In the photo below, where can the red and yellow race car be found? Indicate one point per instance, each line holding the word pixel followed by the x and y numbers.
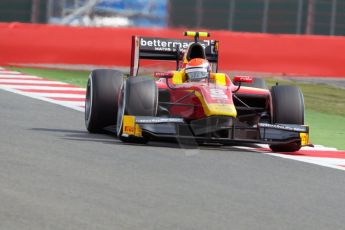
pixel 194 101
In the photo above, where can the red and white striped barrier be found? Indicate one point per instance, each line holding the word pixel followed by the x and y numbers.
pixel 74 97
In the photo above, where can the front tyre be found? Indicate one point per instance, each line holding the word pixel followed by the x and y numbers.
pixel 138 97
pixel 288 108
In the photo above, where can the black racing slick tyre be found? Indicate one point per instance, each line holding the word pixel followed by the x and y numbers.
pixel 138 97
pixel 102 94
pixel 288 108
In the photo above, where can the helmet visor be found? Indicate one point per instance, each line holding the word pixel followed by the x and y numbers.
pixel 197 74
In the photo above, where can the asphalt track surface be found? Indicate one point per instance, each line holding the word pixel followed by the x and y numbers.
pixel 54 175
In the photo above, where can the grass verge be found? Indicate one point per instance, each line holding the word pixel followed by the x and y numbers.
pixel 326 129
pixel 325 105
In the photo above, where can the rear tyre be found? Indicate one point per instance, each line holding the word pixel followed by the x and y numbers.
pixel 102 93
pixel 138 97
pixel 288 108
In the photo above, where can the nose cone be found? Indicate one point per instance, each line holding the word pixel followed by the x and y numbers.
pixel 216 101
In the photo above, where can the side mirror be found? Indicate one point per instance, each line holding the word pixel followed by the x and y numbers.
pixel 165 75
pixel 246 79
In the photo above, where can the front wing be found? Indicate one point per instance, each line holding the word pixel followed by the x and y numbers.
pixel 167 128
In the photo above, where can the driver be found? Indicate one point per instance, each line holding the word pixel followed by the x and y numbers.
pixel 197 69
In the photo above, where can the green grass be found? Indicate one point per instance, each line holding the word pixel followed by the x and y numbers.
pixel 325 105
pixel 326 129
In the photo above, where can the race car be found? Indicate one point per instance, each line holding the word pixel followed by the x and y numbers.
pixel 194 101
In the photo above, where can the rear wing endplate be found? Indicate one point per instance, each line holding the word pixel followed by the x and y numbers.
pixel 167 49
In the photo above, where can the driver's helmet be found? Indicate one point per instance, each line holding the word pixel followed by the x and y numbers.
pixel 197 69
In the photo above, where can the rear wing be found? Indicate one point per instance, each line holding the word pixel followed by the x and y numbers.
pixel 168 49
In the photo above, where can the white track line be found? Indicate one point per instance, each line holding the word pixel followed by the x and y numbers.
pixel 9 76
pixel 12 80
pixel 72 105
pixel 323 161
pixel 69 103
pixel 19 87
pixel 61 95
pixel 319 147
pixel 24 81
pixel 331 162
pixel 316 147
pixel 9 72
